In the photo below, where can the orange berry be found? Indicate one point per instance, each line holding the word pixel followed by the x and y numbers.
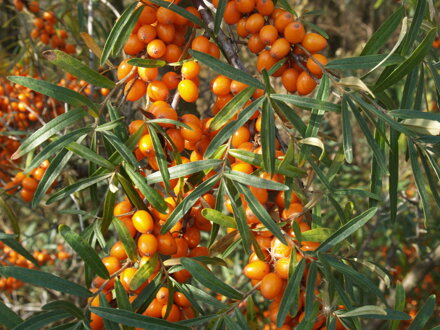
pixel 313 67
pixel 148 16
pixel 27 195
pixel 172 53
pixel 146 145
pixel 255 44
pixel 156 48
pixel 147 244
pixel 148 74
pixel 200 44
pixel 293 209
pixel 305 84
pixel 265 61
pixel 166 32
pixel 171 79
pixel 231 15
pixel 133 45
pixel 265 7
pixel 181 300
pixel 157 90
pixel 162 295
pixel 289 79
pixel 282 267
pixel 271 286
pixel 146 33
pixel 280 48
pixel 174 314
pixel 165 16
pixel 134 89
pixel 294 32
pixel 118 251
pixel 190 69
pixel 221 85
pixel 240 136
pixel 245 6
pixel 241 27
pixel 143 221
pixel 254 23
pixel 314 42
pixel 256 270
pixel 166 244
pixel 124 69
pixel 29 184
pixel 283 20
pixel 188 90
pixel 112 264
pixel 268 34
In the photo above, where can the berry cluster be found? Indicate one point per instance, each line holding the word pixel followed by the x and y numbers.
pixel 44 27
pixel 274 34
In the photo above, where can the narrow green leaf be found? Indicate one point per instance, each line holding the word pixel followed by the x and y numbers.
pixel 66 306
pixel 55 146
pixel 384 32
pixel 182 170
pixel 268 137
pixel 120 32
pixel 228 130
pixel 219 15
pixel 160 155
pixel 257 160
pixel 76 187
pixel 364 62
pixel 255 181
pixel 310 289
pixel 125 152
pixel 219 218
pixel 107 211
pixel 231 108
pixel 131 193
pixel 146 63
pixel 110 125
pixel 90 155
pixel 59 93
pixel 414 30
pixel 108 325
pixel 184 206
pixel 405 67
pixel 260 212
pixel 143 273
pixel 77 68
pixel 378 153
pixel 347 141
pixel 307 103
pixel 8 317
pixel 54 126
pixel 41 320
pixel 418 176
pixel 226 69
pixel 284 111
pixel 424 314
pixel 135 320
pixel 347 229
pixel 290 293
pixel 44 280
pixel 84 250
pixel 153 197
pixel 400 302
pixel 319 234
pixel 126 239
pixel 239 215
pixel 122 297
pixel 208 279
pixel 52 173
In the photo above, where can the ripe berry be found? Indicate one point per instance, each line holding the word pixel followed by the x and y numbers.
pixel 188 90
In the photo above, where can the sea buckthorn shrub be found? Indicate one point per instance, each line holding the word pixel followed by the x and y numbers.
pixel 253 208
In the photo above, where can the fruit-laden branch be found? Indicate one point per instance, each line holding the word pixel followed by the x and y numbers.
pixel 224 41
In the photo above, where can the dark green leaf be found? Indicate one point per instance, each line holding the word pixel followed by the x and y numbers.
pixel 160 155
pixel 59 93
pixel 231 108
pixel 66 306
pixel 208 279
pixel 84 250
pixel 10 240
pixel 347 229
pixel 424 314
pixel 228 130
pixel 41 135
pixel 346 131
pixel 8 317
pixel 255 181
pixel 150 194
pixel 90 155
pixel 77 186
pixel 414 30
pixel 268 137
pixel 126 239
pixel 10 214
pixel 364 62
pixel 143 273
pixel 44 280
pixel 307 103
pixel 184 206
pixel 77 68
pixel 290 293
pixel 226 69
pixel 41 320
pixel 400 303
pixel 120 32
pixel 134 319
pixel 384 32
pixel 125 152
pixel 405 67
pixel 219 15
